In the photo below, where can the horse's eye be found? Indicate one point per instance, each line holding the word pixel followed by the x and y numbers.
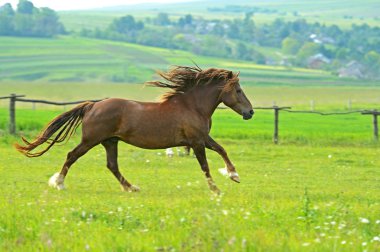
pixel 238 91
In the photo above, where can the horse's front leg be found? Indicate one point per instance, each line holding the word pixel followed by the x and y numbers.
pixel 200 153
pixel 212 145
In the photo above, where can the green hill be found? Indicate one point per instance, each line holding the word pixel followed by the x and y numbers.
pixel 72 59
pixel 339 12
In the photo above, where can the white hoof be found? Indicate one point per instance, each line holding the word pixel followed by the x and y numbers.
pixel 133 188
pixel 56 181
pixel 234 176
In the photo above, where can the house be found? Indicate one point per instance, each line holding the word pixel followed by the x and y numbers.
pixel 317 61
pixel 352 70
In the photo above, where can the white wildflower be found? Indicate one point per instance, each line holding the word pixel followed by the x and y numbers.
pixel 364 220
pixel 169 152
pixel 232 240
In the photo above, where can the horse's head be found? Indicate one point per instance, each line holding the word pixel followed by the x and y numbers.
pixel 233 96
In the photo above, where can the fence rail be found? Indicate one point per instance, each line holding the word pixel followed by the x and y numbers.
pixel 13 98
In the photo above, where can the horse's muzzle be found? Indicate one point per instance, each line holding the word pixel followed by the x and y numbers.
pixel 248 115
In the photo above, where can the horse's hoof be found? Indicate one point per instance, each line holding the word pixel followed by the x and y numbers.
pixel 216 191
pixel 56 181
pixel 234 177
pixel 133 188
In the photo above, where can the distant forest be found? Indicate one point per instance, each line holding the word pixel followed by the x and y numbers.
pixel 29 21
pixel 294 43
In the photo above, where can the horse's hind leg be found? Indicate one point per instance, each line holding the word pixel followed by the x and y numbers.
pixel 111 148
pixel 200 153
pixel 57 179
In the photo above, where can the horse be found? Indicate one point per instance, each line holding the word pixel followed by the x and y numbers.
pixel 181 118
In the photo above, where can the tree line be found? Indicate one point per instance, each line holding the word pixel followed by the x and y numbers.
pixel 297 42
pixel 29 21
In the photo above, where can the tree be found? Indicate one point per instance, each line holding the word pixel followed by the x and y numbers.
pixel 29 21
pixel 242 51
pixel 290 45
pixel 162 19
pixel 126 25
pixel 25 7
pixel 6 20
pixel 7 10
pixel 184 21
pixel 307 50
pixel 47 23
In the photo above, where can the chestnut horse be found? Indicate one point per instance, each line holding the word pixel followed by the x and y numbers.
pixel 182 118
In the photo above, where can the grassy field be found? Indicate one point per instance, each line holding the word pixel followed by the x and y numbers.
pixel 71 59
pixel 316 191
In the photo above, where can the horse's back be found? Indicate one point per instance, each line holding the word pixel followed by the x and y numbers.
pixel 143 124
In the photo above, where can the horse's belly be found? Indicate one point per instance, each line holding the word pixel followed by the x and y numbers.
pixel 153 139
pixel 152 143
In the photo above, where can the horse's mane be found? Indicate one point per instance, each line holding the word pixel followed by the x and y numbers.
pixel 182 78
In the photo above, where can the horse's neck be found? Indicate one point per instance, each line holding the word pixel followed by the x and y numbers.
pixel 204 99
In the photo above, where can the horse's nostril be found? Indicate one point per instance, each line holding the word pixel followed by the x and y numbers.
pixel 251 112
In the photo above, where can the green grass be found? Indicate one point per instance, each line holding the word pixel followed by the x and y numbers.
pixel 317 190
pixel 316 195
pixel 72 59
pixel 314 191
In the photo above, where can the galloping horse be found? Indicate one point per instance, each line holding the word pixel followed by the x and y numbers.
pixel 182 118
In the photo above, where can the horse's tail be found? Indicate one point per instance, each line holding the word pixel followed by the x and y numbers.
pixel 65 123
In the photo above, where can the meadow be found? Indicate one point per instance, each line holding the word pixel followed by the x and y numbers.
pixel 73 59
pixel 318 190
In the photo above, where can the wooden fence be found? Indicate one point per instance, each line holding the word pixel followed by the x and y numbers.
pixel 13 98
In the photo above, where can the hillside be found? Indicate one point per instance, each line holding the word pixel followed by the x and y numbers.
pixel 79 59
pixel 340 12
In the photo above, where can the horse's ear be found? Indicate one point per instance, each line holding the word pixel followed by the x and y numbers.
pixel 230 75
pixel 237 75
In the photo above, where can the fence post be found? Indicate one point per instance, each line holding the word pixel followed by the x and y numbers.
pixel 374 113
pixel 12 114
pixel 312 105
pixel 349 104
pixel 375 126
pixel 275 136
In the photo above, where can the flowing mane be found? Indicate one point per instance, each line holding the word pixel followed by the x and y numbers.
pixel 181 79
